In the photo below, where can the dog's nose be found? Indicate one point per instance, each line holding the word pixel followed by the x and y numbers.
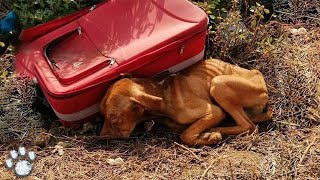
pixel 108 133
pixel 104 133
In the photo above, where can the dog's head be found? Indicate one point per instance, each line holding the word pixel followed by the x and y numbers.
pixel 123 107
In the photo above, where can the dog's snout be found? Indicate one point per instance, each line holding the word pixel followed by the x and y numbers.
pixel 104 132
pixel 109 131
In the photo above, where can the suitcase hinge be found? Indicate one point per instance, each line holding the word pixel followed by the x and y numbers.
pixel 182 49
pixel 80 31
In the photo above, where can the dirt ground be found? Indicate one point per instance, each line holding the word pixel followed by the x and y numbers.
pixel 288 147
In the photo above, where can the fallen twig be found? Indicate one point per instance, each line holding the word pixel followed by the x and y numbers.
pixel 287 123
pixel 307 150
pixel 188 149
pixel 210 166
pixel 304 154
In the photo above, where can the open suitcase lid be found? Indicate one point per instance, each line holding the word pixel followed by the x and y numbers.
pixel 136 27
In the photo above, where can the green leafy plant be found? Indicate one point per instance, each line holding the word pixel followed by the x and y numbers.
pixel 237 37
pixel 217 11
pixel 34 12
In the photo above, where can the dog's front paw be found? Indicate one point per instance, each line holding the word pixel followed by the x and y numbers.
pixel 212 137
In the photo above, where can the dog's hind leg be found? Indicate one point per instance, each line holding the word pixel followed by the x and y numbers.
pixel 196 133
pixel 233 94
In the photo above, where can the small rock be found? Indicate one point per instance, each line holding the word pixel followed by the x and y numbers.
pixel 297 32
pixel 111 162
pixel 59 148
pixel 87 127
pixel 119 161
pixel 60 152
pixel 115 162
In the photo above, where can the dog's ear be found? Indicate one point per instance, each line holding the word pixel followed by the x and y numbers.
pixel 148 101
pixel 103 105
pixel 103 102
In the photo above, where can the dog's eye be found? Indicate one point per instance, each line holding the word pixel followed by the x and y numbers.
pixel 113 119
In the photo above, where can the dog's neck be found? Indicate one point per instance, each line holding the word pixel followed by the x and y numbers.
pixel 151 86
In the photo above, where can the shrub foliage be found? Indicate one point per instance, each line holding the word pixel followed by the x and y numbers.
pixel 34 12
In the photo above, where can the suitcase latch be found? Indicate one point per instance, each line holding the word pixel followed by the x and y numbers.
pixel 182 49
pixel 92 8
pixel 112 61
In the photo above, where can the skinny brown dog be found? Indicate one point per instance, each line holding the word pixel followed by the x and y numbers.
pixel 194 102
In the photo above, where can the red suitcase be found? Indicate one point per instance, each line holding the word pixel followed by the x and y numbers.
pixel 75 63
